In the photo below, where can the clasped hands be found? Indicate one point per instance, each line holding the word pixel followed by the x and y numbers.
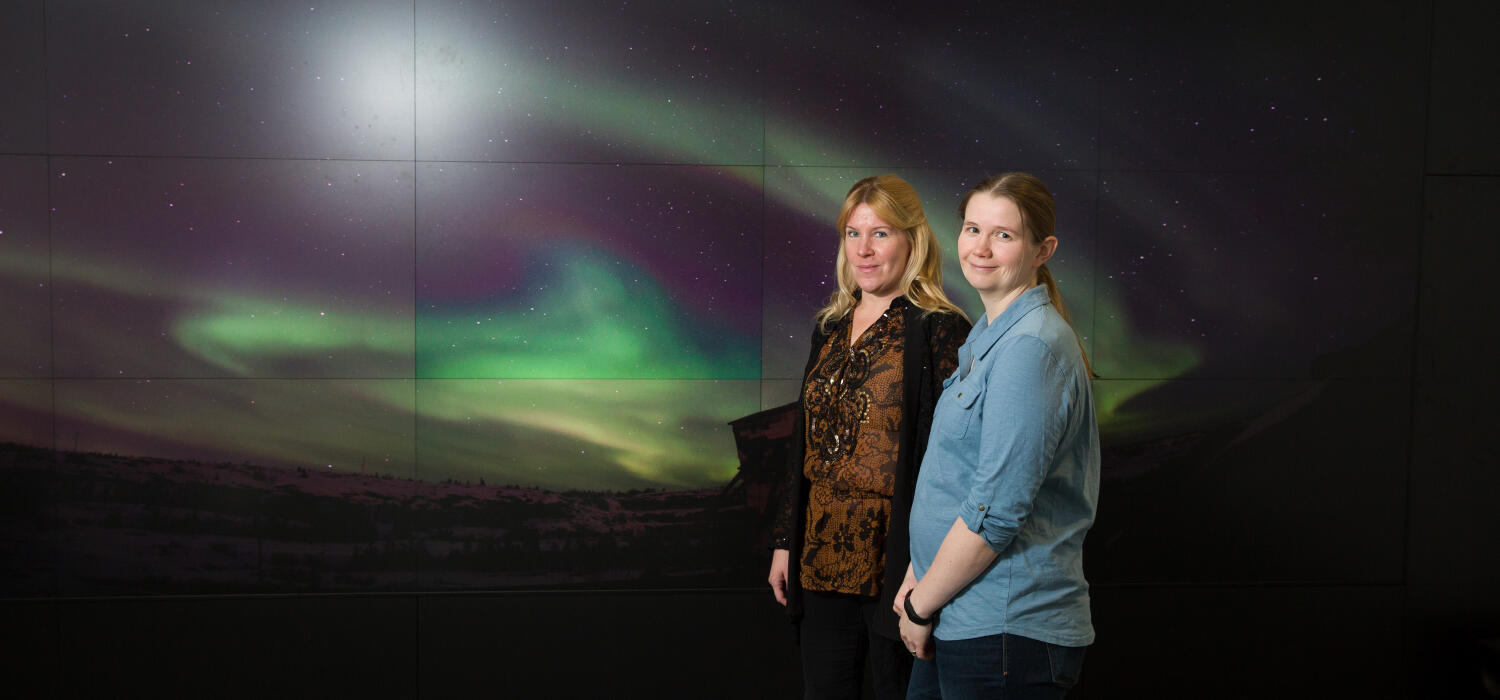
pixel 917 638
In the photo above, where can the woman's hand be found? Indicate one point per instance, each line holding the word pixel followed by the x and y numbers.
pixel 780 564
pixel 906 585
pixel 917 638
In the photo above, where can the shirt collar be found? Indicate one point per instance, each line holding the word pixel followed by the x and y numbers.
pixel 985 334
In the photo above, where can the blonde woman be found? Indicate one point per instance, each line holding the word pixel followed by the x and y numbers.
pixel 880 350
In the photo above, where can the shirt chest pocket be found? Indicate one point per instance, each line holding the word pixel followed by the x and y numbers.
pixel 960 406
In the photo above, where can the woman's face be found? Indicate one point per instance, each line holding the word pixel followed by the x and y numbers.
pixel 996 254
pixel 876 252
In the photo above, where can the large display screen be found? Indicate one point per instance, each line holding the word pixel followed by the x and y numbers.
pixel 466 295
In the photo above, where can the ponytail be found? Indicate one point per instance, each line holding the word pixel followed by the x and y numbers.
pixel 1044 276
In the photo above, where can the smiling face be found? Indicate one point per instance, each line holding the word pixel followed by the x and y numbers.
pixel 876 253
pixel 998 255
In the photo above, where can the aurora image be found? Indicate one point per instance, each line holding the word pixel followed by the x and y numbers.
pixel 476 243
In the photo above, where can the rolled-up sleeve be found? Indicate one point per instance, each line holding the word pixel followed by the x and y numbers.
pixel 1021 424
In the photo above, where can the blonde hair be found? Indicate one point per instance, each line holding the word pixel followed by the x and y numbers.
pixel 895 202
pixel 1039 218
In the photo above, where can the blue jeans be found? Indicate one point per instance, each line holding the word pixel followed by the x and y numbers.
pixel 998 667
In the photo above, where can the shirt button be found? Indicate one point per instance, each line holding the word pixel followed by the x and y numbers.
pixel 981 508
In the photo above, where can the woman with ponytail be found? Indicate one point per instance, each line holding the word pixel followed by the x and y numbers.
pixel 995 604
pixel 880 350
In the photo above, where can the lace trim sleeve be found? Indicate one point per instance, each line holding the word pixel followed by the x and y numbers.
pixel 783 517
pixel 949 331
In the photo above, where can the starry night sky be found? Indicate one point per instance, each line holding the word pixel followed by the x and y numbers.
pixel 563 244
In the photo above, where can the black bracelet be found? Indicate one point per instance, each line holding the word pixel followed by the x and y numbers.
pixel 912 615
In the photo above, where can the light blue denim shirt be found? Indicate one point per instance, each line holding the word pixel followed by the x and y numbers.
pixel 1014 453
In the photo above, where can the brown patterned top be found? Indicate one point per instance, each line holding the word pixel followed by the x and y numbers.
pixel 853 401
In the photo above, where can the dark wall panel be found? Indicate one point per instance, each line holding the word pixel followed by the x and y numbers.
pixel 240 647
pixel 30 484
pixel 29 635
pixel 1268 87
pixel 557 482
pixel 639 82
pixel 1239 275
pixel 26 412
pixel 559 271
pixel 25 268
pixel 1245 643
pixel 224 486
pixel 232 268
pixel 237 79
pixel 1274 481
pixel 663 644
pixel 1462 110
pixel 23 77
pixel 1459 248
pixel 1007 85
pixel 590 435
pixel 1453 571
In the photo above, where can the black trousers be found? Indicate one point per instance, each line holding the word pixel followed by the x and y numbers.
pixel 838 637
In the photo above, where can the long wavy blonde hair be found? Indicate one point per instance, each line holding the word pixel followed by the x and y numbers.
pixel 895 202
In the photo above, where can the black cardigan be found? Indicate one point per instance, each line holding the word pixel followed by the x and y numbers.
pixel 927 333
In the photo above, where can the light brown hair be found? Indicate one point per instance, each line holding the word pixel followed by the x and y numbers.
pixel 1038 218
